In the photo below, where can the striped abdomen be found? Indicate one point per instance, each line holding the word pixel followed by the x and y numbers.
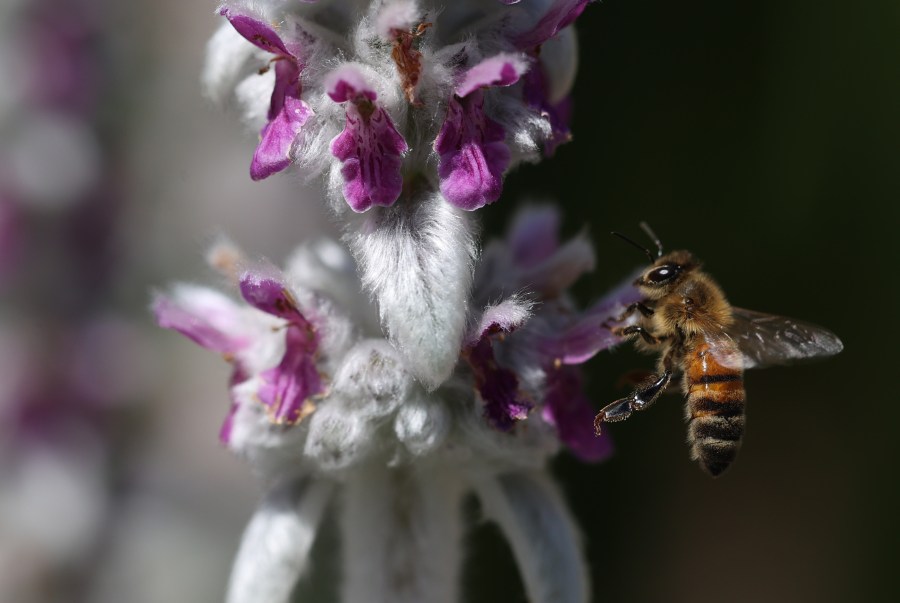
pixel 715 408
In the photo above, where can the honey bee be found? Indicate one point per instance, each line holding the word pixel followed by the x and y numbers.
pixel 686 319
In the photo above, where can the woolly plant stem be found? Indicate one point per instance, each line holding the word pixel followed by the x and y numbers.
pixel 545 542
pixel 275 547
pixel 401 536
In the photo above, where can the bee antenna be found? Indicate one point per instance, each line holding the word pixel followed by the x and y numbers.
pixel 635 243
pixel 646 228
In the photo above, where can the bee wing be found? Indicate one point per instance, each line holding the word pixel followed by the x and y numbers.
pixel 768 340
pixel 723 347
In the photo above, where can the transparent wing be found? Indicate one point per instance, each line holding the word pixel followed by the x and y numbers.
pixel 720 348
pixel 769 340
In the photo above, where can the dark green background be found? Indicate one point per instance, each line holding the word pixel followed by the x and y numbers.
pixel 765 137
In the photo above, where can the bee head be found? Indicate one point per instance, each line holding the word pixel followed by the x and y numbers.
pixel 665 273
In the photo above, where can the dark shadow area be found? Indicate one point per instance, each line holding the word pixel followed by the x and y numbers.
pixel 764 137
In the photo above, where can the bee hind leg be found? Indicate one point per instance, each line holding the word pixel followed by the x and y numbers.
pixel 640 399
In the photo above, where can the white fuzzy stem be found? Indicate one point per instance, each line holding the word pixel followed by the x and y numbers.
pixel 544 540
pixel 275 547
pixel 401 536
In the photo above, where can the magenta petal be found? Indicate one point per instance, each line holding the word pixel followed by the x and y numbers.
pixel 267 292
pixel 273 153
pixel 560 15
pixel 287 388
pixel 347 83
pixel 228 424
pixel 567 408
pixel 370 147
pixel 558 272
pixel 499 70
pixel 256 32
pixel 583 340
pixel 542 265
pixel 371 150
pixel 497 386
pixel 560 115
pixel 588 335
pixel 504 317
pixel 473 154
pixel 287 86
pixel 203 323
pixel 534 235
pixel 536 94
pixel 287 112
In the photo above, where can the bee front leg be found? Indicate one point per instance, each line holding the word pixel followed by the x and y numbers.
pixel 641 307
pixel 638 330
pixel 640 399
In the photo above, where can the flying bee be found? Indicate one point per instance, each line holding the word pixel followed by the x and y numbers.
pixel 686 319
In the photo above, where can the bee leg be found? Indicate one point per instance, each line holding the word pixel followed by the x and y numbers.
pixel 641 307
pixel 641 399
pixel 637 330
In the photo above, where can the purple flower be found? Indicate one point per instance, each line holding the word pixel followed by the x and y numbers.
pixel 208 319
pixel 560 15
pixel 558 114
pixel 557 336
pixel 217 323
pixel 481 136
pixel 532 257
pixel 214 322
pixel 287 111
pixel 589 333
pixel 579 338
pixel 64 45
pixel 498 387
pixel 567 408
pixel 370 147
pixel 472 148
pixel 289 388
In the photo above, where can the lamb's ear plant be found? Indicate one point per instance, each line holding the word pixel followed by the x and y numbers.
pixel 393 373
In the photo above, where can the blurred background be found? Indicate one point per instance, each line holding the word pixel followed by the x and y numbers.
pixel 764 136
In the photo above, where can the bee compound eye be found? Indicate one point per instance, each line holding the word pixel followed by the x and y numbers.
pixel 662 274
